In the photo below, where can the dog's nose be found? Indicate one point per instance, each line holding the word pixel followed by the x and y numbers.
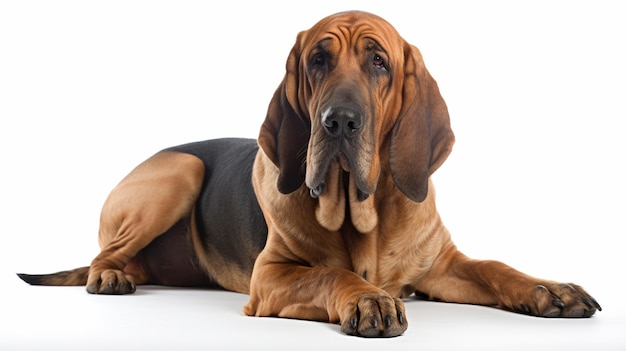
pixel 341 121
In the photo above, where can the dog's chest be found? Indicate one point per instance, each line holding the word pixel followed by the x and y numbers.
pixel 391 261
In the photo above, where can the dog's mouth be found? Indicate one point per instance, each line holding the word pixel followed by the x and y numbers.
pixel 339 193
pixel 344 166
pixel 343 162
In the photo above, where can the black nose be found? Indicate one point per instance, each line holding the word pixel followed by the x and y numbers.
pixel 341 121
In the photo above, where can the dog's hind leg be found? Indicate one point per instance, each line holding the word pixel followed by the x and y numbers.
pixel 150 200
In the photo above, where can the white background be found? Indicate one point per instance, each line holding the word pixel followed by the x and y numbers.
pixel 535 89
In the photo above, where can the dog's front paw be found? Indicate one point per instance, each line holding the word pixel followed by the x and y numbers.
pixel 110 282
pixel 559 300
pixel 374 315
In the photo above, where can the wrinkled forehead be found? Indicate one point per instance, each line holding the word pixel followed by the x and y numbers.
pixel 351 29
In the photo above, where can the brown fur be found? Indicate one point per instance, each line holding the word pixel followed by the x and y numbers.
pixel 351 138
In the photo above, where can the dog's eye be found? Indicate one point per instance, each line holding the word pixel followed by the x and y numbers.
pixel 318 59
pixel 378 62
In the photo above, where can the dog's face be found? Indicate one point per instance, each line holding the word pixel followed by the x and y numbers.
pixel 356 99
pixel 347 65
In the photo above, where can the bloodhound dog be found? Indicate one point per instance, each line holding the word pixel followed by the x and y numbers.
pixel 330 215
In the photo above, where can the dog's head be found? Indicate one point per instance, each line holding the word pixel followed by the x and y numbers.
pixel 355 90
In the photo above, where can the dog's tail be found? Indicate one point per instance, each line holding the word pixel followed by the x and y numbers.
pixel 74 277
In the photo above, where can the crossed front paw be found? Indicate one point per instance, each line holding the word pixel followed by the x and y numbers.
pixel 374 315
pixel 559 300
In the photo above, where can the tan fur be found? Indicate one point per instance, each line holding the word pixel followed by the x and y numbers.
pixel 137 211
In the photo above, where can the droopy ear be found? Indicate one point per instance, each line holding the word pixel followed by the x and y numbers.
pixel 421 137
pixel 284 135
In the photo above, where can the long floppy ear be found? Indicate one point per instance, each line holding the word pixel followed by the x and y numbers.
pixel 421 137
pixel 284 135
